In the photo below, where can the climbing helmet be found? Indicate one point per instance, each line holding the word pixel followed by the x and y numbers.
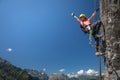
pixel 82 15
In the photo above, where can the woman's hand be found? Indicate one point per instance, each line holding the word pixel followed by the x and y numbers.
pixel 73 14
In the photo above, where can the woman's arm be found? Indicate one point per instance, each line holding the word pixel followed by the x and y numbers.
pixel 73 14
pixel 93 15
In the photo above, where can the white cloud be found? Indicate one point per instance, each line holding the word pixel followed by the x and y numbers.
pixel 9 49
pixel 91 72
pixel 80 72
pixel 62 70
pixel 72 75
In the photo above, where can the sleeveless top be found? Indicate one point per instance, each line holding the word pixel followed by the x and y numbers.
pixel 85 23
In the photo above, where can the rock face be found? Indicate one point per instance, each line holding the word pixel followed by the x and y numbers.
pixel 37 75
pixel 11 72
pixel 110 16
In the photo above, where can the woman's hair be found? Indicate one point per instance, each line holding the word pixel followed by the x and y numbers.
pixel 85 18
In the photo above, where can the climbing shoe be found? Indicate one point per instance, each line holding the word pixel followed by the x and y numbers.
pixel 98 54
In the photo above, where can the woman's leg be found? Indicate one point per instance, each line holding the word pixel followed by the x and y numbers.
pixel 97 34
pixel 97 43
pixel 96 26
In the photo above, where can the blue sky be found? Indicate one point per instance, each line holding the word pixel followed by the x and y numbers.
pixel 43 34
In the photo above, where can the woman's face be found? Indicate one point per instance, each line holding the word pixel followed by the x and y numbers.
pixel 82 18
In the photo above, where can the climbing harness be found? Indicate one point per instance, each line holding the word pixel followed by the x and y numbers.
pixel 89 30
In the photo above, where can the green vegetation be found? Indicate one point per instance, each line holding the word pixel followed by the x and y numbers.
pixel 10 72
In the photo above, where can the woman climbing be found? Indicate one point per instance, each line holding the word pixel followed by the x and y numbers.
pixel 91 29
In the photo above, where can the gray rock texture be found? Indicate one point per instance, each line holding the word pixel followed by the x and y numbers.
pixel 110 16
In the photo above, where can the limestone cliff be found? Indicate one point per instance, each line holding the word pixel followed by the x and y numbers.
pixel 110 16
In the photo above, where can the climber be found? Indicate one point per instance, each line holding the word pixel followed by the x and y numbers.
pixel 91 29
